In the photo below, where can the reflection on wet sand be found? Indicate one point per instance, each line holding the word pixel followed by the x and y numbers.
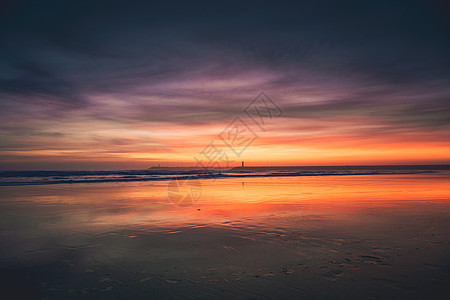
pixel 338 237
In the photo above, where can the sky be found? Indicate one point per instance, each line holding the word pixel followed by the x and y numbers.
pixel 102 85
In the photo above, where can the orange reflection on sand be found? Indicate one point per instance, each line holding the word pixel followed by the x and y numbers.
pixel 112 206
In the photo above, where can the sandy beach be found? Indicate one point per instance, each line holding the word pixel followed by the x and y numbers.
pixel 334 237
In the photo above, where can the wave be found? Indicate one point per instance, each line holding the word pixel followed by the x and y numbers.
pixel 14 178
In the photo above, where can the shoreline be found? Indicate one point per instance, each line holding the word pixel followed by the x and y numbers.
pixel 207 175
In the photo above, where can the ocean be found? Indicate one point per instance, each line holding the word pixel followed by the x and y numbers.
pixel 154 174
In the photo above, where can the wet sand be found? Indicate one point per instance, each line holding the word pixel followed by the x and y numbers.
pixel 334 237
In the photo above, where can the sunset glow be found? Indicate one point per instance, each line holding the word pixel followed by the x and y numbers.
pixel 129 99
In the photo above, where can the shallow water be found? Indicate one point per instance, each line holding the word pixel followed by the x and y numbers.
pixel 334 237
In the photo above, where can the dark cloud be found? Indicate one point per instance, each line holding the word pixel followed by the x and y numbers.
pixel 80 47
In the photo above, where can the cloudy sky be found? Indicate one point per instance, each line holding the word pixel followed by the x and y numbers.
pixel 132 84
